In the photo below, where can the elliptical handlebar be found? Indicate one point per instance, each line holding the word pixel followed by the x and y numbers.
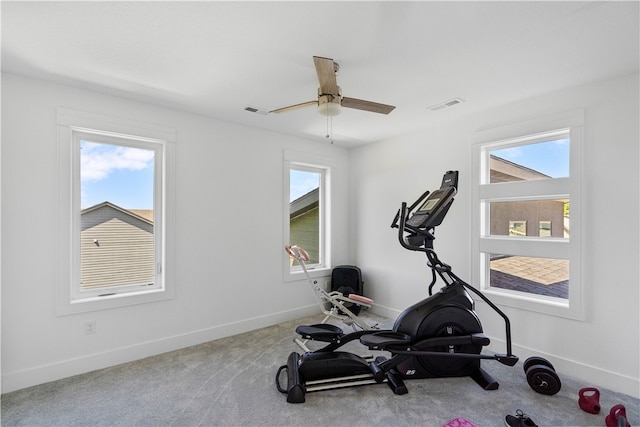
pixel 402 227
pixel 394 224
pixel 426 213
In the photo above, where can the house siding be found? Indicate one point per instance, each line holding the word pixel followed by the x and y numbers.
pixel 304 224
pixel 116 249
pixel 531 211
pixel 305 232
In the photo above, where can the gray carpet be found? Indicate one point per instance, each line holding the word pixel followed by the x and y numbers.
pixel 230 382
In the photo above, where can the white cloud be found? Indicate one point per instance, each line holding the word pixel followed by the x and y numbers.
pixel 97 161
pixel 509 153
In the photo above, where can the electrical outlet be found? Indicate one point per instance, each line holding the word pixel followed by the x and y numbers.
pixel 90 327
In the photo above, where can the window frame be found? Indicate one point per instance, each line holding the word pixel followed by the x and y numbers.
pixel 158 147
pixel 324 165
pixel 484 244
pixel 72 126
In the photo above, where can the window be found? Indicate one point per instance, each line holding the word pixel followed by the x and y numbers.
pixel 306 211
pixel 118 214
pixel 544 229
pixel 115 184
pixel 525 177
pixel 517 228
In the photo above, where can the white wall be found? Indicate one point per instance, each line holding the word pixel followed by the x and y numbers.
pixel 224 173
pixel 215 203
pixel 602 350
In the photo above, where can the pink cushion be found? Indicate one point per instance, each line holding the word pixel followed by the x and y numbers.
pixel 361 298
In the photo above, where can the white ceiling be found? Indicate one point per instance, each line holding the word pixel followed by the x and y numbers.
pixel 216 58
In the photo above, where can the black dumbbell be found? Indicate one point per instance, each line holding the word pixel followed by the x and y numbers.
pixel 542 376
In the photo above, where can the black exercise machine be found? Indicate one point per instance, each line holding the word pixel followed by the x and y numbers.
pixel 440 336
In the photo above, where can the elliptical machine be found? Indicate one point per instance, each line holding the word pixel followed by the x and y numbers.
pixel 440 336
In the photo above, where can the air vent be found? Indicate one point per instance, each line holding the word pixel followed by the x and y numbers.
pixel 447 104
pixel 256 110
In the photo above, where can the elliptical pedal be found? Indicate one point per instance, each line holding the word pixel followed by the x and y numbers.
pixel 320 332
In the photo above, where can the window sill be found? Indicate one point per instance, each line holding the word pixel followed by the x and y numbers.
pixel 111 301
pixel 534 303
pixel 315 273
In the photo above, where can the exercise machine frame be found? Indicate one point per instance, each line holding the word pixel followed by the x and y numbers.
pixel 332 304
pixel 439 336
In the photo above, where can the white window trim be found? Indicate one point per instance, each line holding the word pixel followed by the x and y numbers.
pixel 158 147
pixel 541 128
pixel 318 162
pixel 70 122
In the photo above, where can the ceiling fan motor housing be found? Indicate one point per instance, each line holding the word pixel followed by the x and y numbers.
pixel 329 104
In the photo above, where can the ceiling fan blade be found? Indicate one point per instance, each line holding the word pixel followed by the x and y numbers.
pixel 293 107
pixel 326 75
pixel 360 104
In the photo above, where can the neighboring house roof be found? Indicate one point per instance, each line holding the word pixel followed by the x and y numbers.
pixel 145 215
pixel 304 203
pixel 503 171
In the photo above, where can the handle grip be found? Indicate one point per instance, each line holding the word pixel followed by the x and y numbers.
pixel 297 253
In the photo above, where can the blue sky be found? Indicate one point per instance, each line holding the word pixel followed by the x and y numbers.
pixel 118 174
pixel 301 182
pixel 550 157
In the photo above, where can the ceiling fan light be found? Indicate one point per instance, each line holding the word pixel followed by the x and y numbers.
pixel 329 108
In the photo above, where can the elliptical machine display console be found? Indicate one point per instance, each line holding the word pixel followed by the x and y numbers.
pixel 440 336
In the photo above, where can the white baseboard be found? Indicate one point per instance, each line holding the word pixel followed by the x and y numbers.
pixel 17 380
pixel 381 310
pixel 591 375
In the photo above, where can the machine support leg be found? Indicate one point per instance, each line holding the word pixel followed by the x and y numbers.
pixel 295 388
pixel 484 379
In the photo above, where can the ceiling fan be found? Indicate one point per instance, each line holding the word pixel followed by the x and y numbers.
pixel 330 100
